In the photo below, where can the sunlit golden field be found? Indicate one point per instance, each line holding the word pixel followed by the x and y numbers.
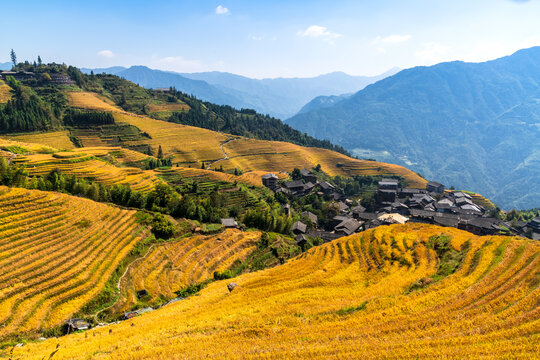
pixel 170 267
pixel 94 163
pixel 189 144
pixel 56 139
pixel 5 92
pixel 167 107
pixel 85 165
pixel 56 253
pixel 90 100
pixel 349 299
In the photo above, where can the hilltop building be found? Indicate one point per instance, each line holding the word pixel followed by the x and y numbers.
pixel 270 180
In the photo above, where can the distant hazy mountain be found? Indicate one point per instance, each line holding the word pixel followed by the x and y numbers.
pixel 6 66
pixel 282 97
pixel 474 126
pixel 322 102
pixel 110 70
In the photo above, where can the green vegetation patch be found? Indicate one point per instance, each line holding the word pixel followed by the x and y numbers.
pixel 351 309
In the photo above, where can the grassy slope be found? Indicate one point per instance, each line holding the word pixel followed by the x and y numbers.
pixel 346 299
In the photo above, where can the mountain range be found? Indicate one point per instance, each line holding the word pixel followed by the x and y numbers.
pixel 280 97
pixel 470 125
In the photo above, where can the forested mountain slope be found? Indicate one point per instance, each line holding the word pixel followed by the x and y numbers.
pixel 474 126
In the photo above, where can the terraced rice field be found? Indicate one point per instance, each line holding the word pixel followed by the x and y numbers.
pixel 5 93
pixel 350 298
pixel 187 144
pixel 56 253
pixel 56 139
pixel 258 155
pixel 190 144
pixel 170 267
pixel 18 146
pixel 90 100
pixel 168 107
pixel 82 163
pixel 182 174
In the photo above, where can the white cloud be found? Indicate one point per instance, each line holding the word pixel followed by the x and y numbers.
pixel 178 63
pixel 221 10
pixel 106 53
pixel 433 53
pixel 316 31
pixel 256 38
pixel 392 39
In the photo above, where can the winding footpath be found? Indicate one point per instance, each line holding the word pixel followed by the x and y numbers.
pixel 225 155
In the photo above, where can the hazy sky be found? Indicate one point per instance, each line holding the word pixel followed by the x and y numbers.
pixel 268 38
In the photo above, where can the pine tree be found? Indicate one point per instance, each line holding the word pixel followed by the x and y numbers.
pixel 39 62
pixel 13 58
pixel 160 153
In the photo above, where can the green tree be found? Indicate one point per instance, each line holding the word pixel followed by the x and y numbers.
pixel 39 62
pixel 160 153
pixel 13 57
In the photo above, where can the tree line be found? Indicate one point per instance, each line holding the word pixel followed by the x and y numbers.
pixel 244 122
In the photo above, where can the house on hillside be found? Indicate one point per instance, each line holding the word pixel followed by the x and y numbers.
pixel 325 187
pixel 229 223
pixel 311 216
pixel 534 224
pixel 270 180
pixel 61 79
pixel 347 227
pixel 435 187
pixel 301 240
pixel 19 75
pixel 308 176
pixel 299 228
pixel 388 184
pixel 76 325
pixel 480 225
pixel 295 186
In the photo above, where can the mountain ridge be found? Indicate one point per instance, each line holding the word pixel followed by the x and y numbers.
pixel 445 121
pixel 279 97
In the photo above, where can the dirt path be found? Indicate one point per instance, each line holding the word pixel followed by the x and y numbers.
pixel 13 156
pixel 225 155
pixel 119 283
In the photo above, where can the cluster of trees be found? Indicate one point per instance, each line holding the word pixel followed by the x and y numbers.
pixel 76 117
pixel 183 202
pixel 268 220
pixel 12 175
pixel 25 111
pixel 245 122
pixel 157 163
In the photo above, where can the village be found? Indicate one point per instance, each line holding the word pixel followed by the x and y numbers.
pixel 394 205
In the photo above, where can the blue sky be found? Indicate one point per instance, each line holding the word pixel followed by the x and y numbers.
pixel 268 38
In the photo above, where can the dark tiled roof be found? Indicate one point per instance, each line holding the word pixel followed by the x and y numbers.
pixel 348 226
pixel 269 176
pixel 311 216
pixel 294 184
pixel 358 209
pixel 300 226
